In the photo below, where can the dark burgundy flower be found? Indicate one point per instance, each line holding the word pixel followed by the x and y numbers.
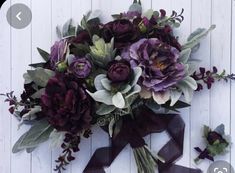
pixel 119 71
pixel 82 37
pixel 214 136
pixel 123 31
pixel 29 90
pixel 66 104
pixel 80 67
pixel 165 35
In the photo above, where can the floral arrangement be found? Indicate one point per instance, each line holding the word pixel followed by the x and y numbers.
pixel 217 143
pixel 129 76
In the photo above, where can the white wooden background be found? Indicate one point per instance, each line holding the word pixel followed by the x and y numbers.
pixel 18 49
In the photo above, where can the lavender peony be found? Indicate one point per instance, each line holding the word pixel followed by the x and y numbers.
pixel 158 62
pixel 57 53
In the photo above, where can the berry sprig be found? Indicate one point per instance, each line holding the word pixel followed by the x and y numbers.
pixel 210 76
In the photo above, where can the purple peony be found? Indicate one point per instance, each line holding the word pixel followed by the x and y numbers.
pixel 66 104
pixel 158 62
pixel 119 71
pixel 57 53
pixel 80 67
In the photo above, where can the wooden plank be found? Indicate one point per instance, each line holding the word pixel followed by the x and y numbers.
pixel 200 109
pixel 233 85
pixel 5 86
pixel 220 53
pixel 41 37
pixel 182 32
pixel 21 57
pixel 80 8
pixel 99 137
pixel 61 12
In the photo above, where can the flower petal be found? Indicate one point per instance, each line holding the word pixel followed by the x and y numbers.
pixel 161 97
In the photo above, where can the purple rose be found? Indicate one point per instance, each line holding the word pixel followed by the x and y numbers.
pixel 66 104
pixel 123 31
pixel 158 62
pixel 57 53
pixel 119 71
pixel 80 67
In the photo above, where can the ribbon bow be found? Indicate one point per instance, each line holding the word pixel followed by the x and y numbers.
pixel 133 131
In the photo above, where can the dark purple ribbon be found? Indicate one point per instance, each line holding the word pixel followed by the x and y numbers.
pixel 133 131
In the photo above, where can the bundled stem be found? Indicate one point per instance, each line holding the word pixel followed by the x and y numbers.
pixel 146 161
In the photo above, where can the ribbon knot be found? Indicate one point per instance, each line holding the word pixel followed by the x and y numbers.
pixel 133 131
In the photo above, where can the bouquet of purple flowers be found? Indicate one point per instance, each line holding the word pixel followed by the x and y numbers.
pixel 129 76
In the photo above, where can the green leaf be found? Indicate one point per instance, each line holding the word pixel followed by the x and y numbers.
pixel 106 84
pixel 136 89
pixel 58 32
pixel 196 36
pixel 36 135
pixel 80 49
pixel 30 150
pixel 184 55
pixel 135 7
pixel 104 109
pixel 44 54
pixel 175 96
pixel 97 82
pixel 27 78
pixel 148 14
pixel 206 130
pixel 68 29
pixel 38 94
pixel 56 138
pixel 31 114
pixel 187 90
pixel 190 82
pixel 193 66
pixel 16 147
pixel 153 105
pixel 118 100
pixel 94 14
pixel 102 96
pixel 220 129
pixel 178 105
pixel 118 127
pixel 41 76
pixel 36 65
pixel 111 126
pixel 137 74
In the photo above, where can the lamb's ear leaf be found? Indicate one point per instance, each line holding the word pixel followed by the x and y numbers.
pixel 104 109
pixel 40 76
pixel 195 38
pixel 44 54
pixel 30 150
pixel 36 135
pixel 118 100
pixel 135 7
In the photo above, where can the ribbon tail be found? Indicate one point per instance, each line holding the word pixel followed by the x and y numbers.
pixel 179 169
pixel 103 157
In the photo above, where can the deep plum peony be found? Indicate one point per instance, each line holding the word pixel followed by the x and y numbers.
pixel 66 104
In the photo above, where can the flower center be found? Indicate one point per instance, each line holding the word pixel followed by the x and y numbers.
pixel 80 66
pixel 160 65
